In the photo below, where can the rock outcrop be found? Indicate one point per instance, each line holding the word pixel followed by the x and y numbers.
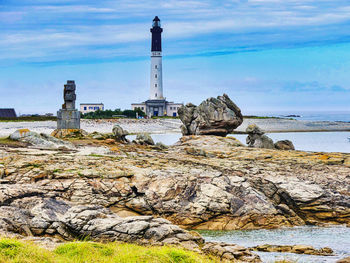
pixel 144 139
pixel 230 252
pixel 40 141
pixel 297 249
pixel 69 133
pixel 48 217
pixel 344 260
pixel 203 182
pixel 119 133
pixel 257 139
pixel 286 145
pixel 214 116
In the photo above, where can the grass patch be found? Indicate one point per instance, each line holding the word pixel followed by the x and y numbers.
pixel 15 251
pixel 9 142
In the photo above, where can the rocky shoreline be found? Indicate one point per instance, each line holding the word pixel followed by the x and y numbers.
pixel 202 182
pixel 158 126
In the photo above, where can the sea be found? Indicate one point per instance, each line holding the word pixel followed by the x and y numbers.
pixel 303 141
pixel 338 116
pixel 336 237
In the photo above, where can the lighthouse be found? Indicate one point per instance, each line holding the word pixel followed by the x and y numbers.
pixel 157 105
pixel 156 90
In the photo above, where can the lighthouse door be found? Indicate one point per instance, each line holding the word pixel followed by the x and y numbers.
pixel 155 112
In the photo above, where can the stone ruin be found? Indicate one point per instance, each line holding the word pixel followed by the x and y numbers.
pixel 68 117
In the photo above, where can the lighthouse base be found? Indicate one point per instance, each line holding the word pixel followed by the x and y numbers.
pixel 155 107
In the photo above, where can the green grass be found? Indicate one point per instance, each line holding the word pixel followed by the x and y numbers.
pixel 15 251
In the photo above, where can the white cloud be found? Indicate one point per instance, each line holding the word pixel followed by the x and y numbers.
pixel 82 24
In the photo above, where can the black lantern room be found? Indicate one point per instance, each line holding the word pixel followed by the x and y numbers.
pixel 156 31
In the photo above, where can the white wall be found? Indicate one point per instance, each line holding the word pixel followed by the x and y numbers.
pixel 156 90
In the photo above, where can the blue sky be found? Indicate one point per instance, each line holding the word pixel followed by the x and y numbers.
pixel 267 55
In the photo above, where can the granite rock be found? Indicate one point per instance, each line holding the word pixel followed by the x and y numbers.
pixel 214 116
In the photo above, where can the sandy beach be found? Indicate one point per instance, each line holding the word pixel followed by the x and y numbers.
pixel 158 126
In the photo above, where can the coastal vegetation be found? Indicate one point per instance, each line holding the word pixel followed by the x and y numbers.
pixel 13 251
pixel 117 113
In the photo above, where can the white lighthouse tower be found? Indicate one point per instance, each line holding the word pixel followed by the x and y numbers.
pixel 157 105
pixel 156 90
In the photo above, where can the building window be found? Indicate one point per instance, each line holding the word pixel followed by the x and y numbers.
pixel 91 108
pixel 156 95
pixel 84 108
pixel 155 76
pixel 155 85
pixel 142 108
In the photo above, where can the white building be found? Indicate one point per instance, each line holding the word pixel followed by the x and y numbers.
pixel 90 107
pixel 157 105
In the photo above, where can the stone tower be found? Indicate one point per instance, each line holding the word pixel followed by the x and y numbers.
pixel 156 61
pixel 68 117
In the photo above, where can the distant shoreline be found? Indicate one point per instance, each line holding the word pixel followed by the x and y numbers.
pixel 169 125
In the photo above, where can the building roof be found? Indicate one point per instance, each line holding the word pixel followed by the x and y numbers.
pixel 8 113
pixel 91 103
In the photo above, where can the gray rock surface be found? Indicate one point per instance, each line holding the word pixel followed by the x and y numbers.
pixel 119 133
pixel 284 145
pixel 214 116
pixel 41 141
pixel 51 217
pixel 144 139
pixel 36 216
pixel 257 139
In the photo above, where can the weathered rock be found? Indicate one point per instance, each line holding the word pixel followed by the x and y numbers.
pixel 254 129
pixel 203 182
pixel 69 133
pixel 42 141
pixel 230 252
pixel 257 139
pixel 284 145
pixel 344 260
pixel 298 249
pixel 52 218
pixel 56 218
pixel 160 146
pixel 144 139
pixel 214 116
pixel 119 133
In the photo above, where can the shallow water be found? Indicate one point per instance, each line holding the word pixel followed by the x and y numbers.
pixel 305 141
pixel 337 238
pixel 311 141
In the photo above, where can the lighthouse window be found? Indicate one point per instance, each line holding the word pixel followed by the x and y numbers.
pixel 156 95
pixel 156 75
pixel 156 66
pixel 155 85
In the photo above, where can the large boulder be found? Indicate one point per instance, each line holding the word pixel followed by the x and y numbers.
pixel 119 133
pixel 284 145
pixel 257 139
pixel 214 116
pixel 41 141
pixel 144 139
